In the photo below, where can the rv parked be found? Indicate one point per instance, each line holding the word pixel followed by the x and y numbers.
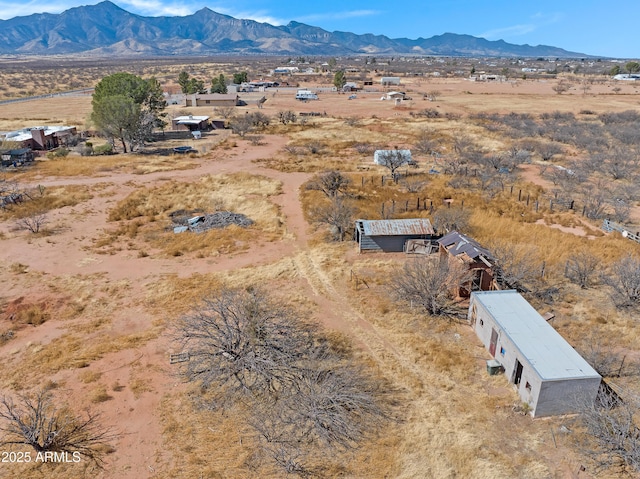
pixel 305 95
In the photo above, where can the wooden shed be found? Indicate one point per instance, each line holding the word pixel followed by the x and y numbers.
pixel 549 375
pixel 391 235
pixel 459 248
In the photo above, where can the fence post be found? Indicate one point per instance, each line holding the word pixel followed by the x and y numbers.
pixel 519 195
pixel 551 206
pixel 527 199
pixel 406 206
pixel 511 191
pixel 382 211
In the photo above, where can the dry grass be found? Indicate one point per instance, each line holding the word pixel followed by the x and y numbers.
pixel 145 215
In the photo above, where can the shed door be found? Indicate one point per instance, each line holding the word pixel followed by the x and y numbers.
pixel 494 341
pixel 517 373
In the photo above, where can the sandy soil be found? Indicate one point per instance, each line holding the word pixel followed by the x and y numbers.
pixel 66 255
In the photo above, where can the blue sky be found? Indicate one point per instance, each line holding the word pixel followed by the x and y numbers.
pixel 595 27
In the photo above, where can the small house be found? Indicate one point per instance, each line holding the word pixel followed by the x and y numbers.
pixel 391 235
pixel 42 137
pixel 458 248
pixel 212 99
pixel 190 123
pixel 396 96
pixel 548 374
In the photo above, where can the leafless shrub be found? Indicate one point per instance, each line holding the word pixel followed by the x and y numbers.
pixel 241 125
pixel 285 117
pixel 303 396
pixel 36 421
pixel 425 144
pixel 612 438
pixel 516 266
pixel 548 150
pixel 243 343
pixel 314 147
pixel 583 269
pixel 294 150
pixel 624 280
pixel 364 148
pixel 561 87
pixel 255 140
pixel 33 223
pixel 331 183
pixel 603 358
pixel 451 219
pixel 430 284
pixel 225 112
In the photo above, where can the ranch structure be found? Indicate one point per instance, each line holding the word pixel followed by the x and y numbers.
pixel 390 236
pixel 549 375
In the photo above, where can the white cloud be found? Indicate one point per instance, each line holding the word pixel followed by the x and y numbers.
pixel 17 9
pixel 537 21
pixel 338 15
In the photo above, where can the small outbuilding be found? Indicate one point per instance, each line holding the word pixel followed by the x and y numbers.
pixel 549 375
pixel 212 99
pixel 390 236
pixel 458 248
pixel 191 123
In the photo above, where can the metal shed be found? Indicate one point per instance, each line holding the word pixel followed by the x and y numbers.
pixel 549 375
pixel 391 235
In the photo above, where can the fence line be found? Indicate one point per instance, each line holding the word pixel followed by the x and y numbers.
pixel 609 226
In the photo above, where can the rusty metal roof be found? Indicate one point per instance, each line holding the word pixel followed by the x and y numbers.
pixel 413 226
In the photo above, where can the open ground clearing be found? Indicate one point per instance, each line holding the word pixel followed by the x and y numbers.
pixel 92 298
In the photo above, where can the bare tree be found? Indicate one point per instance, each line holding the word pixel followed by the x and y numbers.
pixel 429 283
pixel 225 112
pixel 243 343
pixel 450 219
pixel 241 125
pixel 612 438
pixel 515 265
pixel 624 280
pixel 393 159
pixel 338 214
pixel 37 422
pixel 582 269
pixel 331 183
pixel 305 395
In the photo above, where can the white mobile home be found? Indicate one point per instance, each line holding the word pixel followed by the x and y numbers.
pixel 549 375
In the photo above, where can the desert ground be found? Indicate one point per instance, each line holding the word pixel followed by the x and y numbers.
pixel 92 298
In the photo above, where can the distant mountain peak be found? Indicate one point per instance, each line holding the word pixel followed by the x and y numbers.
pixel 106 28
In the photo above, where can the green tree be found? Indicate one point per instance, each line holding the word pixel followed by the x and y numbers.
pixel 183 81
pixel 632 67
pixel 615 70
pixel 195 86
pixel 332 63
pixel 219 84
pixel 339 79
pixel 240 77
pixel 190 85
pixel 127 108
pixel 118 117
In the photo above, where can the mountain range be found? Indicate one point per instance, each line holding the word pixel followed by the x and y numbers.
pixel 105 29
